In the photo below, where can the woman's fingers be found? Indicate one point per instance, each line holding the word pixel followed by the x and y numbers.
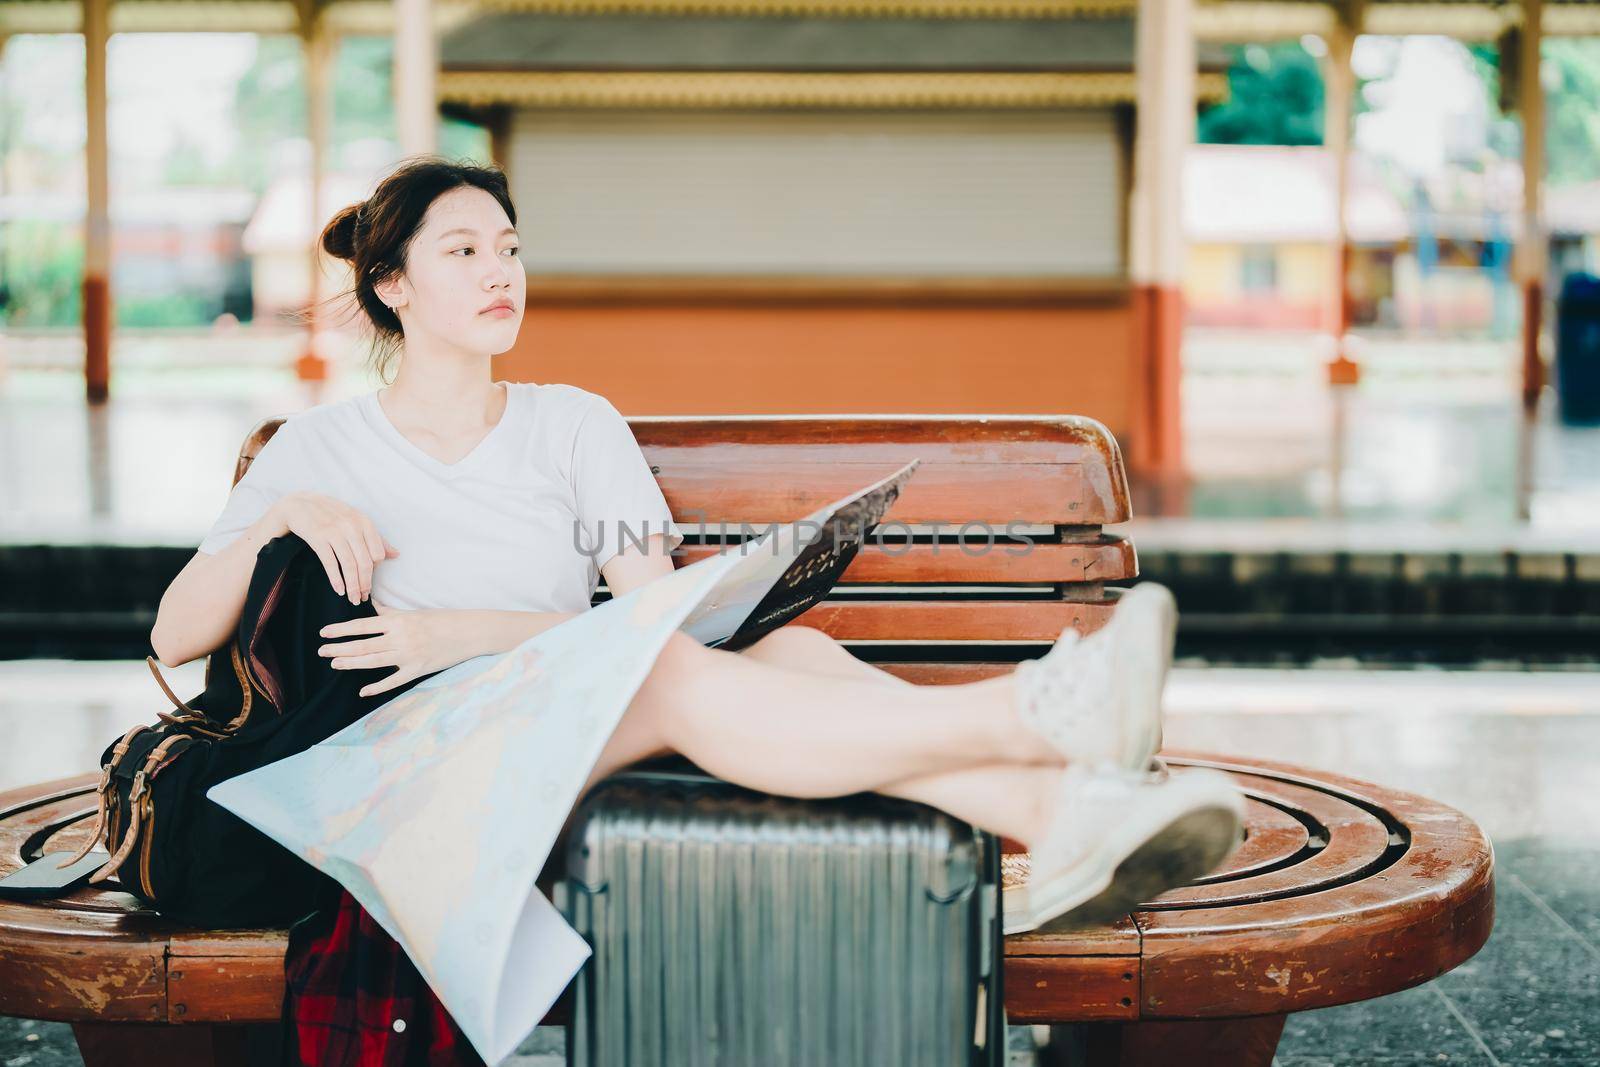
pixel 354 648
pixel 387 658
pixel 383 685
pixel 358 552
pixel 376 549
pixel 347 564
pixel 347 542
pixel 331 565
pixel 361 577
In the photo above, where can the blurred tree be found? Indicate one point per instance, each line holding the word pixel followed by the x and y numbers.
pixel 269 108
pixel 1274 97
pixel 42 136
pixel 1572 116
pixel 44 273
pixel 169 309
pixel 363 106
pixel 1570 70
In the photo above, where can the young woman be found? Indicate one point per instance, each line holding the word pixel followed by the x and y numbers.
pixel 475 513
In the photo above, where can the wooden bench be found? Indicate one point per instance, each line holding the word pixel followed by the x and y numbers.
pixel 1343 890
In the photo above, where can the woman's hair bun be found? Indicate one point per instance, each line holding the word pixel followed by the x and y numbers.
pixel 339 236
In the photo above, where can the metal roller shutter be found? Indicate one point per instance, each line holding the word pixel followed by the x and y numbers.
pixel 818 192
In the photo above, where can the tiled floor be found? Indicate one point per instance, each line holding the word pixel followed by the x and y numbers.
pixel 1531 996
pixel 1513 749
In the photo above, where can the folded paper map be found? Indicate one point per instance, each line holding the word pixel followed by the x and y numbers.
pixel 438 809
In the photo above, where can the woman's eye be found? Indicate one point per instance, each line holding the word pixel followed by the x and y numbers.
pixel 513 250
pixel 461 250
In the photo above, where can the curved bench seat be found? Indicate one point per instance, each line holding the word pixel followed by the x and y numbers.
pixel 1343 890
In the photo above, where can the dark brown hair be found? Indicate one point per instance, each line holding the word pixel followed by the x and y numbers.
pixel 375 236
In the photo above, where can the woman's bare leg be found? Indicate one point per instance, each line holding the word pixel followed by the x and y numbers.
pixel 824 727
pixel 800 733
pixel 1003 798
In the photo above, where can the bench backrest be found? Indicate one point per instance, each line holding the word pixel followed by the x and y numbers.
pixel 929 600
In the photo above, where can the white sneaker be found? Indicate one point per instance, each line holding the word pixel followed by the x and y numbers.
pixel 1120 838
pixel 1098 698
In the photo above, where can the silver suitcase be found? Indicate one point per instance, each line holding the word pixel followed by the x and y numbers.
pixel 732 928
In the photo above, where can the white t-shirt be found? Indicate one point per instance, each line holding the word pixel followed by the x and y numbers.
pixel 523 522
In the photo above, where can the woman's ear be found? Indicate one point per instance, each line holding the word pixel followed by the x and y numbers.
pixel 391 292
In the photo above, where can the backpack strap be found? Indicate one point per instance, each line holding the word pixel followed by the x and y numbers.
pixel 192 718
pixel 101 792
pixel 130 836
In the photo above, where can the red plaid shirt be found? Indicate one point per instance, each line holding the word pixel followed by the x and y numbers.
pixel 353 998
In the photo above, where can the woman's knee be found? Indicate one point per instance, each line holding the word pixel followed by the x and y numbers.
pixel 679 667
pixel 682 655
pixel 793 643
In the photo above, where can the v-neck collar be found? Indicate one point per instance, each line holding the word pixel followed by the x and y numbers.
pixel 381 423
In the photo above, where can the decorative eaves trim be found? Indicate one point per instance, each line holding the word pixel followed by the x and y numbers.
pixel 956 9
pixel 759 89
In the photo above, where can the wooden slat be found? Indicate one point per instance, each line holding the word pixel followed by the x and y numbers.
pixel 1272 837
pixel 83 955
pixel 78 965
pixel 785 488
pixel 226 989
pixel 1059 469
pixel 946 673
pixel 1383 932
pixel 1086 988
pixel 1119 938
pixel 1356 840
pixel 1091 975
pixel 1107 558
pixel 955 620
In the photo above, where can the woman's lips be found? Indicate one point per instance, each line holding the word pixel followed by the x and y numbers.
pixel 499 312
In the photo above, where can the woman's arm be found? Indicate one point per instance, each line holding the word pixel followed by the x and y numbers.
pixel 202 605
pixel 634 566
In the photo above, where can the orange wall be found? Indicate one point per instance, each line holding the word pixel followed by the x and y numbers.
pixel 652 359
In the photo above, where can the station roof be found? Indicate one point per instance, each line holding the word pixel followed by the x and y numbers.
pixel 1217 20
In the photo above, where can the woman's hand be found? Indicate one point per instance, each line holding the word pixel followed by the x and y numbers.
pixel 416 642
pixel 346 541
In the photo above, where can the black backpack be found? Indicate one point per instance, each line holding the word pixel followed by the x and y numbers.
pixel 268 695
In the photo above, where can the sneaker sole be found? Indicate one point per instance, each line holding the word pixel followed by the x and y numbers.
pixel 1105 887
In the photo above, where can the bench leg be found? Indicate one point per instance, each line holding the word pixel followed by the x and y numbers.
pixel 1247 1042
pixel 194 1045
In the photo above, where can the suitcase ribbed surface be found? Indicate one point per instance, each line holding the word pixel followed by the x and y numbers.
pixel 739 928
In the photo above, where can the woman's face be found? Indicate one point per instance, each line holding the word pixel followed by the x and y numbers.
pixel 462 261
